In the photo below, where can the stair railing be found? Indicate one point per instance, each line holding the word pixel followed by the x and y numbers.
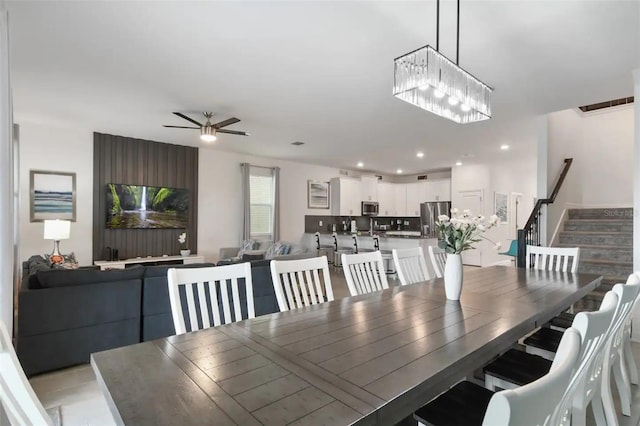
pixel 530 233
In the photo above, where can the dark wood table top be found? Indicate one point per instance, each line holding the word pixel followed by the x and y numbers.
pixel 371 359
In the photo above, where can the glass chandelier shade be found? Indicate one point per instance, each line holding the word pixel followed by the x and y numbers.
pixel 427 79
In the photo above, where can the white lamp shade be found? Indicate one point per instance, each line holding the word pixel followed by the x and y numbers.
pixel 57 229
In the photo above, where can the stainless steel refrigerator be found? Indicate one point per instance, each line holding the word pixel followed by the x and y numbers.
pixel 429 213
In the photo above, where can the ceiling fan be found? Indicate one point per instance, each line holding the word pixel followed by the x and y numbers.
pixel 208 130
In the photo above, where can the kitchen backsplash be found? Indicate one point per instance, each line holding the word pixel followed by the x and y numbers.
pixel 324 224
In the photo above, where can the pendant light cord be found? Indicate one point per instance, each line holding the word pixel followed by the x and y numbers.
pixel 438 25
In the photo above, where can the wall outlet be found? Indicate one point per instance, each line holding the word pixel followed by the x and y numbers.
pixel 320 223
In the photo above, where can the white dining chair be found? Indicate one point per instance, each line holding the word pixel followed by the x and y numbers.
pixel 438 260
pixel 20 402
pixel 629 359
pixel 301 282
pixel 614 356
pixel 563 259
pixel 410 265
pixel 217 287
pixel 467 403
pixel 364 272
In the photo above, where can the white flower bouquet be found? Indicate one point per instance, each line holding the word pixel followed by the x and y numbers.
pixel 182 239
pixel 461 231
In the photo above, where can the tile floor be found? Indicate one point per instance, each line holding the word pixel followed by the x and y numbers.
pixel 82 403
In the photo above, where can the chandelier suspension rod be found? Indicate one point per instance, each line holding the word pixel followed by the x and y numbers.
pixel 458 34
pixel 438 25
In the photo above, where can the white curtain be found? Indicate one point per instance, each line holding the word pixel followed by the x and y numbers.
pixel 246 201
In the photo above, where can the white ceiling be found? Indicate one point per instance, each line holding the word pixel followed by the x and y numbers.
pixel 319 72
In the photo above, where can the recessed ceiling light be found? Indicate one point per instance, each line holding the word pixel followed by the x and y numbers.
pixel 360 164
pixel 420 154
pixel 399 171
pixel 504 147
pixel 297 143
pixel 458 163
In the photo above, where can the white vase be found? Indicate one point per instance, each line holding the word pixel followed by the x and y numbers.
pixel 185 253
pixel 453 276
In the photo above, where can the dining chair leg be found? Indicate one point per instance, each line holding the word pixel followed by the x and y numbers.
pixel 598 409
pixel 607 397
pixel 624 387
pixel 630 362
pixel 578 416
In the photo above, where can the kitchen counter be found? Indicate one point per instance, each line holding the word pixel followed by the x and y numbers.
pixel 380 234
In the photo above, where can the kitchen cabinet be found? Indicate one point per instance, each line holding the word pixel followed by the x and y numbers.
pixel 416 194
pixel 400 205
pixel 345 197
pixel 369 188
pixel 438 190
pixel 387 199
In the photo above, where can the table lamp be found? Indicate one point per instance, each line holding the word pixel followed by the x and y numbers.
pixel 56 230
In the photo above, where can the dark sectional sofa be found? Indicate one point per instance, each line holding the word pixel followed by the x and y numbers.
pixel 65 315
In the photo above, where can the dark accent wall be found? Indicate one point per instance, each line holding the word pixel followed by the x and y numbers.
pixel 118 159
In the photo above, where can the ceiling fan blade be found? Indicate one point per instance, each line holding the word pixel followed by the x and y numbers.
pixel 226 123
pixel 232 132
pixel 179 114
pixel 180 127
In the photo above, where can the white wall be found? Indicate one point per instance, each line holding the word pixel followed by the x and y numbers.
pixel 601 145
pixel 220 199
pixel 61 149
pixel 501 176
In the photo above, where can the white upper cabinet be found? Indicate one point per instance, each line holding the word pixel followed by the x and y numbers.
pixel 438 190
pixel 400 206
pixel 369 188
pixel 416 194
pixel 345 197
pixel 387 199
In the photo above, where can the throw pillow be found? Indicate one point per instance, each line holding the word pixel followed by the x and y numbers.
pixel 272 251
pixel 245 246
pixel 68 262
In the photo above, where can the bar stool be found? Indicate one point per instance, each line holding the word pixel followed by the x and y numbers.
pixel 324 250
pixel 387 257
pixel 339 251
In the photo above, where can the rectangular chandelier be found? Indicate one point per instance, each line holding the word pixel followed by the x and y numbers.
pixel 427 79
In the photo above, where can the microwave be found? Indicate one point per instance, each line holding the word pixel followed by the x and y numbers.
pixel 370 208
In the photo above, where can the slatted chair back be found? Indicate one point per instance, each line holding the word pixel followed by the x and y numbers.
pixel 302 282
pixel 630 363
pixel 585 384
pixel 364 272
pixel 410 265
pixel 534 403
pixel 438 259
pixel 18 398
pixel 212 296
pixel 613 360
pixel 553 258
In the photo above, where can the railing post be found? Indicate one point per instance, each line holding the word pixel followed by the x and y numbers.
pixel 522 249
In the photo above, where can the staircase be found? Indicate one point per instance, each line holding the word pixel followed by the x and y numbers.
pixel 605 238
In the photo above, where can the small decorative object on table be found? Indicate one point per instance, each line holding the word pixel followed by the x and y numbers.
pixel 184 246
pixel 459 233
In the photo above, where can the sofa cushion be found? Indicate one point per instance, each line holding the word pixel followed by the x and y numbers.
pixel 161 270
pixel 68 278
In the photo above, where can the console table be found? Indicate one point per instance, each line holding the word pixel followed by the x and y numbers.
pixel 121 264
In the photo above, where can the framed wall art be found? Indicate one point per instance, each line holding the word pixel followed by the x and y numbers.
pixel 501 207
pixel 52 195
pixel 317 194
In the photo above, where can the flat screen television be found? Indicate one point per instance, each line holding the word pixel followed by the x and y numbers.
pixel 147 207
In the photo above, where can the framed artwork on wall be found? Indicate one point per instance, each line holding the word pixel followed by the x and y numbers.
pixel 501 206
pixel 52 195
pixel 317 194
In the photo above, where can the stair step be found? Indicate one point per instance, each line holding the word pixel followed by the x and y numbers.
pixel 587 225
pixel 603 214
pixel 604 268
pixel 577 238
pixel 601 252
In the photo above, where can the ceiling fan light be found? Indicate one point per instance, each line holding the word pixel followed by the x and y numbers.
pixel 208 134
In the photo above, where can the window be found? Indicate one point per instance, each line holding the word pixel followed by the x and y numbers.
pixel 262 197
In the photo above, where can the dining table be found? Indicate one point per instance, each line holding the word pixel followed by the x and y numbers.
pixel 371 359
